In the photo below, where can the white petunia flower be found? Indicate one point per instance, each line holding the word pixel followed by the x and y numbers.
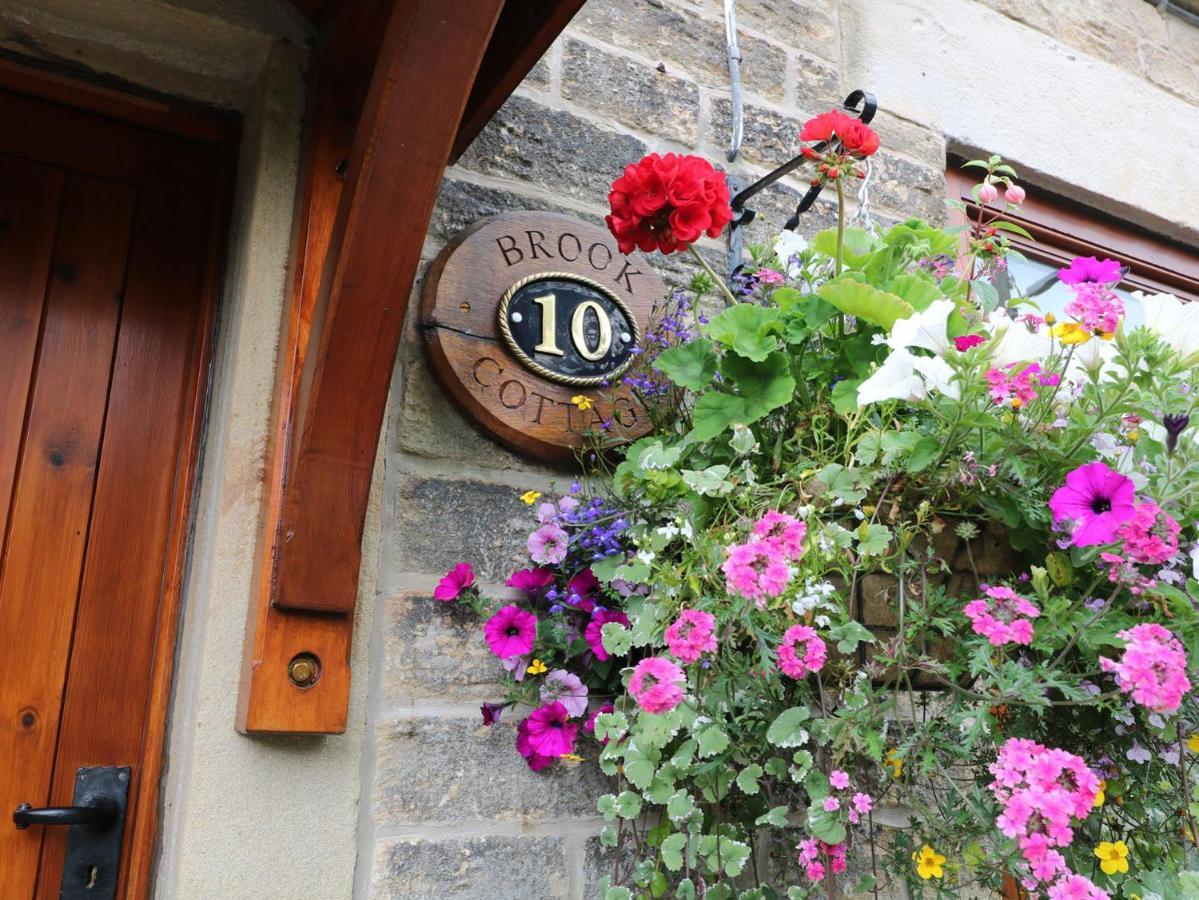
pixel 926 329
pixel 787 246
pixel 1175 322
pixel 1012 342
pixel 905 376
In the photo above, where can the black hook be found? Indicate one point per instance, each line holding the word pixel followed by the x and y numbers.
pixel 743 215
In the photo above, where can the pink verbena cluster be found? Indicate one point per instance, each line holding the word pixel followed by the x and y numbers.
pixel 811 854
pixel 1153 667
pixel 801 639
pixel 760 568
pixel 657 684
pixel 1002 616
pixel 1077 887
pixel 1017 388
pixel 691 635
pixel 1041 790
pixel 1151 536
pixel 1096 307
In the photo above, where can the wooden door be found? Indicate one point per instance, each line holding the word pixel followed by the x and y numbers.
pixel 106 271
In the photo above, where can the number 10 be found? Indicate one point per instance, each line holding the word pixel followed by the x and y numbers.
pixel 578 337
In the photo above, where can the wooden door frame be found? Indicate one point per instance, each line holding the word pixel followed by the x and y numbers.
pixel 222 133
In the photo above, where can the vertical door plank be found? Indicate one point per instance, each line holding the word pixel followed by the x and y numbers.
pixel 52 501
pixel 30 195
pixel 116 632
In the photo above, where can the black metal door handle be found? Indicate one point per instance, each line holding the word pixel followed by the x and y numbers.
pixel 99 814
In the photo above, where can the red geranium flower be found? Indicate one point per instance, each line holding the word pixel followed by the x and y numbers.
pixel 666 202
pixel 854 140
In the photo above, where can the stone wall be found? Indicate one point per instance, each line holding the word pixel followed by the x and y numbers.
pixel 448 808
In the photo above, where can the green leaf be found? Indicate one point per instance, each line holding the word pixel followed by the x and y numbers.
pixel 734 855
pixel 923 453
pixel 714 412
pixel 685 890
pixel 710 482
pixel 672 852
pixel 918 291
pixel 639 767
pixel 605 569
pixel 635 571
pixel 656 456
pixel 691 365
pixel 618 893
pixel 711 740
pixel 873 539
pixel 746 328
pixel 777 816
pixel 842 484
pixel 786 730
pixel 764 384
pixel 608 836
pixel 680 806
pixel 748 777
pixel 865 302
pixel 606 805
pixel 849 635
pixel 857 245
pixel 610 726
pixel 628 805
pixel 825 826
pixel 845 395
pixel 617 638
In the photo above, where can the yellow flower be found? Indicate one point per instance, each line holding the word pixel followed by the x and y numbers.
pixel 1100 795
pixel 1050 318
pixel 530 497
pixel 572 757
pixel 1113 858
pixel 581 401
pixel 1017 403
pixel 537 668
pixel 1193 742
pixel 1133 436
pixel 895 762
pixel 1071 333
pixel 928 863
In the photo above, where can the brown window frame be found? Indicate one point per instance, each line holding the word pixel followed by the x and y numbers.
pixel 1064 229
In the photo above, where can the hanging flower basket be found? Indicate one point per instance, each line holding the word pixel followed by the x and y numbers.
pixel 866 478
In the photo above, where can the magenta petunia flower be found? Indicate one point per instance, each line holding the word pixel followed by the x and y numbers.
pixel 547 545
pixel 456 580
pixel 511 632
pixel 1088 268
pixel 524 746
pixel 530 580
pixel 966 341
pixel 492 712
pixel 1098 499
pixel 550 731
pixel 594 630
pixel 567 689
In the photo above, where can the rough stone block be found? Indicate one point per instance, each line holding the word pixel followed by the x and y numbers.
pixel 901 136
pixel 817 83
pixel 992 552
pixel 437 523
pixel 470 868
pixel 552 149
pixel 638 95
pixel 461 204
pixel 435 650
pixel 1037 14
pixel 1103 39
pixel 1171 72
pixel 768 137
pixel 807 25
pixel 539 76
pixel 880 600
pixel 908 188
pixel 1142 19
pixel 452 771
pixel 677 37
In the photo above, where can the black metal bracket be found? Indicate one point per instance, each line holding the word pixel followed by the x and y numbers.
pixel 743 215
pixel 96 824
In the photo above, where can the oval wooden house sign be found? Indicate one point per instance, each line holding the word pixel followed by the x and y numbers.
pixel 526 310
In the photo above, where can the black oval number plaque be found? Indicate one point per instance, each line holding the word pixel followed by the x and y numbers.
pixel 568 328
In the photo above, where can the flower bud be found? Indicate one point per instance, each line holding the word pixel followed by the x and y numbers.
pixel 988 193
pixel 1014 195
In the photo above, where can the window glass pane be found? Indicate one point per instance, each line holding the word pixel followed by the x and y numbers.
pixel 1038 281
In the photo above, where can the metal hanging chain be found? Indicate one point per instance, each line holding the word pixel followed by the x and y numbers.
pixel 862 217
pixel 734 59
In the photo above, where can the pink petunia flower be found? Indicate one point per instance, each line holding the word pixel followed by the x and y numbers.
pixel 530 580
pixel 455 581
pixel 551 733
pixel 801 638
pixel 524 746
pixel 547 545
pixel 657 684
pixel 566 688
pixel 594 633
pixel 1089 269
pixel 1098 499
pixel 838 779
pixel 691 635
pixel 511 632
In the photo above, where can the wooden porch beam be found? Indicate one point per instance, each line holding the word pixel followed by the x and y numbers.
pixel 334 383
